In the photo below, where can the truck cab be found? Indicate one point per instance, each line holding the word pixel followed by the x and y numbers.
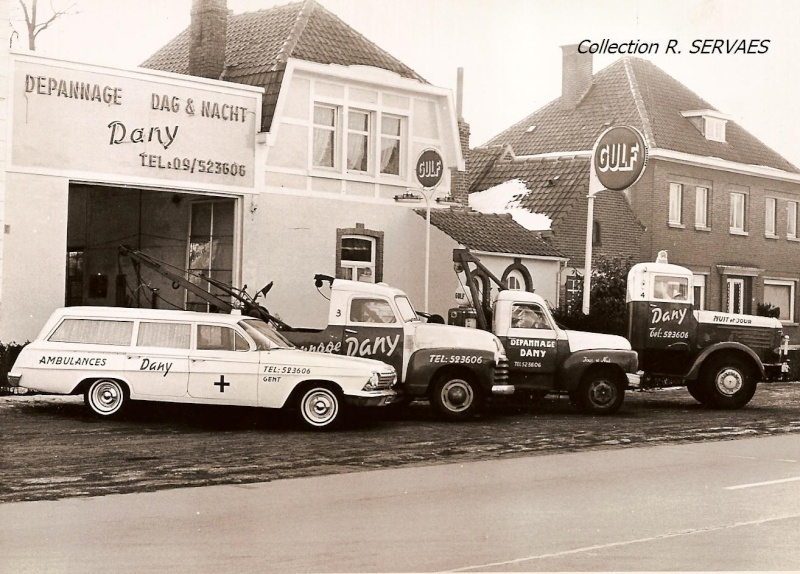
pixel 455 367
pixel 720 357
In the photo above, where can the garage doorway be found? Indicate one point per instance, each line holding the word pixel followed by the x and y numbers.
pixel 181 231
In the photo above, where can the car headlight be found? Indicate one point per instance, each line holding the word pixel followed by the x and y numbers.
pixel 381 380
pixel 374 382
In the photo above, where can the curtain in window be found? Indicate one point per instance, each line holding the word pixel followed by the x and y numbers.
pixel 390 156
pixel 357 152
pixel 323 148
pixel 94 332
pixel 174 335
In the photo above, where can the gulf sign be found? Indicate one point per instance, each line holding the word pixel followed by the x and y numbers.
pixel 619 157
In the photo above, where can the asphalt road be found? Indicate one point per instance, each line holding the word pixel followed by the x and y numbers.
pixel 722 506
pixel 51 447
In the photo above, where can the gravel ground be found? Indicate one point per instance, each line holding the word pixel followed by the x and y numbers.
pixel 52 447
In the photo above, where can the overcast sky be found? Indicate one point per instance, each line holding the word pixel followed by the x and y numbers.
pixel 509 49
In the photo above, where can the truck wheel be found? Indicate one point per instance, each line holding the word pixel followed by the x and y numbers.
pixel 600 393
pixel 730 382
pixel 106 397
pixel 320 407
pixel 456 397
pixel 698 391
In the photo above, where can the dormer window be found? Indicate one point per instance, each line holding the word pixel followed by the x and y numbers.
pixel 710 123
pixel 714 129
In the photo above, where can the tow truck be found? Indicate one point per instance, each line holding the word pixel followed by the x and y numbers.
pixel 594 369
pixel 719 357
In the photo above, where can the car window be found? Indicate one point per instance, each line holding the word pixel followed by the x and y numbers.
pixel 371 311
pixel 169 335
pixel 220 338
pixel 406 309
pixel 264 335
pixel 528 316
pixel 93 332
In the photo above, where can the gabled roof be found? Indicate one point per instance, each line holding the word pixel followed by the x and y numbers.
pixel 490 232
pixel 635 92
pixel 260 43
pixel 556 184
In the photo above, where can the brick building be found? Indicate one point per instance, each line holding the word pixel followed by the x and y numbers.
pixel 719 200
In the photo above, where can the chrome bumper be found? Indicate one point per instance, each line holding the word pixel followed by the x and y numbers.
pixel 634 380
pixel 503 389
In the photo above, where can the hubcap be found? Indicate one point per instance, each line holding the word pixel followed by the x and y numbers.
pixel 457 395
pixel 602 393
pixel 320 407
pixel 729 381
pixel 107 397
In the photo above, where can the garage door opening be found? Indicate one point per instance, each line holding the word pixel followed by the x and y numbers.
pixel 188 234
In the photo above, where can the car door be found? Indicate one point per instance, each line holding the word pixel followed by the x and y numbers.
pixel 158 364
pixel 373 330
pixel 223 366
pixel 531 347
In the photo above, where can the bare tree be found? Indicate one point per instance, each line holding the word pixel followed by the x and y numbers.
pixel 35 22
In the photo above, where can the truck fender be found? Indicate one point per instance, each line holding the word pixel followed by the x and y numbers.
pixel 425 365
pixel 576 365
pixel 694 372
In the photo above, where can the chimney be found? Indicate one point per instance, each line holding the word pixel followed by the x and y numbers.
pixel 459 180
pixel 208 33
pixel 576 76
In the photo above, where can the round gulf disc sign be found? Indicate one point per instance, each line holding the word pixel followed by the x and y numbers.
pixel 430 168
pixel 619 157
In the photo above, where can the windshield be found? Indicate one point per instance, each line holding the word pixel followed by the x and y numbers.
pixel 671 288
pixel 406 310
pixel 265 336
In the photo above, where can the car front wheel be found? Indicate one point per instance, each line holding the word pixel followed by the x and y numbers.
pixel 320 407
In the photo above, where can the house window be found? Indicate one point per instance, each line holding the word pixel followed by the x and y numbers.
pixel 701 207
pixel 715 129
pixel 358 129
pixel 780 294
pixel 574 293
pixel 738 213
pixel 391 135
pixel 358 259
pixel 359 254
pixel 699 291
pixel 325 120
pixel 515 280
pixel 770 211
pixel 791 220
pixel 596 233
pixel 675 203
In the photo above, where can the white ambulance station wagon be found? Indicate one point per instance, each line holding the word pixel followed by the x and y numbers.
pixel 113 355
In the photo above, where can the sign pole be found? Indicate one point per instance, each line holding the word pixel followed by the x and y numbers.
pixel 619 157
pixel 429 171
pixel 587 276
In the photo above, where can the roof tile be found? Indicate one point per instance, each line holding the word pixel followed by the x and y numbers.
pixel 259 44
pixel 490 232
